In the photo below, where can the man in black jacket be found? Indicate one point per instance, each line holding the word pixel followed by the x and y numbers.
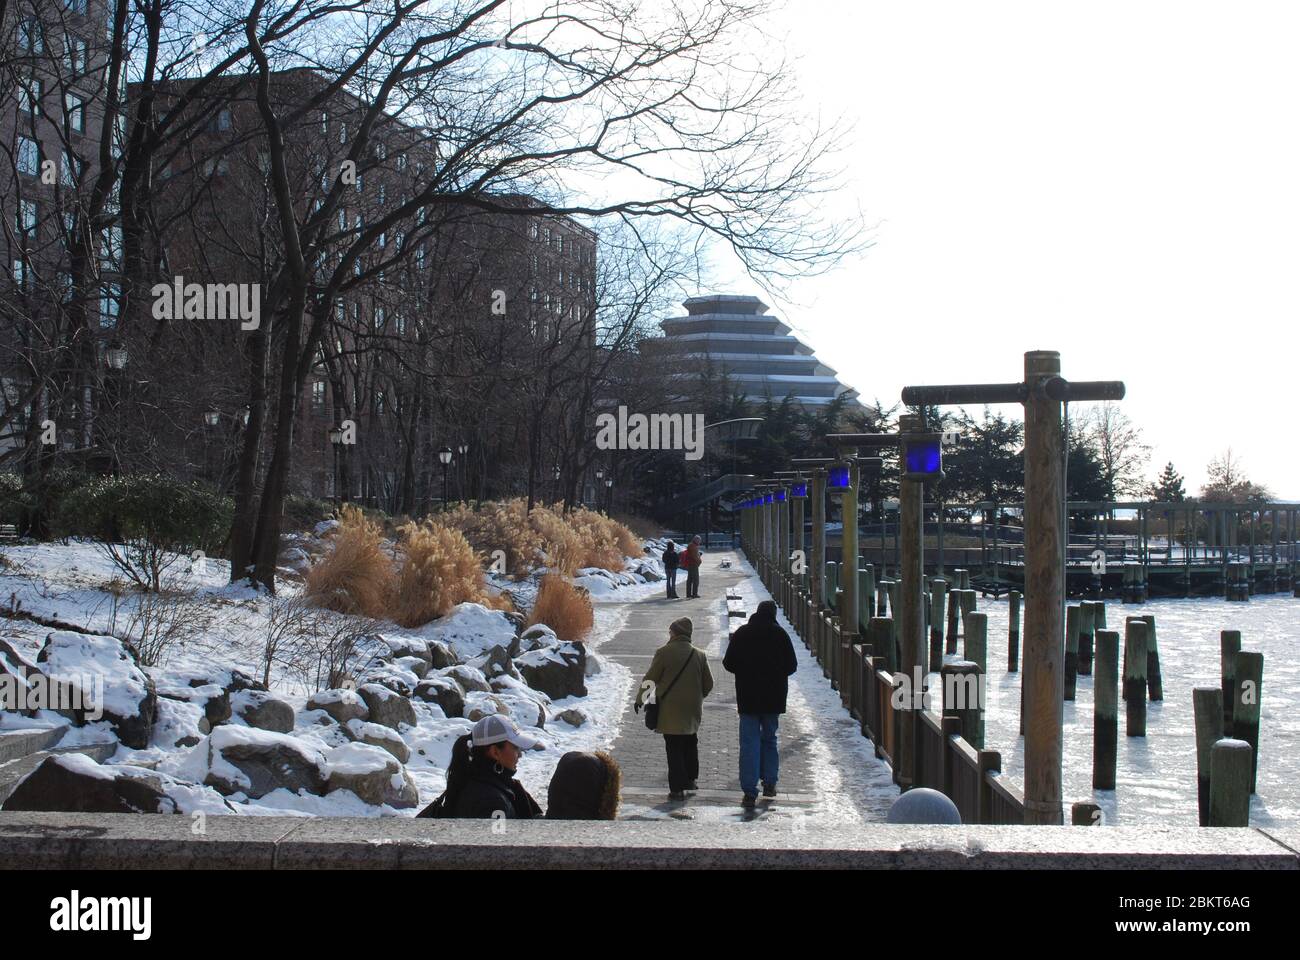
pixel 761 656
pixel 670 570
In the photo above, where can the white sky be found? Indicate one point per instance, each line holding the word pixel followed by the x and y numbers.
pixel 1116 181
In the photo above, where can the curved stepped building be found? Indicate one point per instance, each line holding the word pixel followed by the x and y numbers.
pixel 761 356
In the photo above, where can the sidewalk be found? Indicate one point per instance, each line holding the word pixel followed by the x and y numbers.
pixel 805 750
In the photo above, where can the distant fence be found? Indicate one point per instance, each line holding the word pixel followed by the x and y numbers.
pixel 944 760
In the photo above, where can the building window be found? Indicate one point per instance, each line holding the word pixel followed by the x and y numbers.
pixel 109 306
pixel 340 312
pixel 74 55
pixel 324 122
pixel 29 98
pixel 19 268
pixel 381 150
pixel 318 394
pixel 383 194
pixel 380 319
pixel 70 171
pixel 222 121
pixel 343 132
pixel 399 324
pixel 30 39
pixel 27 217
pixel 75 108
pixel 401 161
pixel 76 6
pixel 29 156
pixel 343 218
pixel 532 230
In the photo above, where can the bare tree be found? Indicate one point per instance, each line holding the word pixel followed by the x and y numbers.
pixel 1122 453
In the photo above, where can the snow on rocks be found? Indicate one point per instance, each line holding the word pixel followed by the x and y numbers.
pixel 495 663
pixel 445 692
pixel 557 671
pixel 402 649
pixel 101 675
pixel 259 709
pixel 252 762
pixel 378 735
pixel 72 783
pixel 386 706
pixel 342 705
pixel 371 773
pixel 479 705
pixel 470 679
pixel 470 629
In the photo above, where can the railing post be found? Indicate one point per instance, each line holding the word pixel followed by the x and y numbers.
pixel 990 761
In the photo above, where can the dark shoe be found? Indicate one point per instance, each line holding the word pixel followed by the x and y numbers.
pixel 769 789
pixel 692 786
pixel 677 795
pixel 748 801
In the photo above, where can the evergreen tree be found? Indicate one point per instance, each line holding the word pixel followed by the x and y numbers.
pixel 1168 487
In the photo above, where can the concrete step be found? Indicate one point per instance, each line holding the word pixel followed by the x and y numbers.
pixel 20 743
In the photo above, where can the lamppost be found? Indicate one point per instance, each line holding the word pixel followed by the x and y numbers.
pixel 609 498
pixel 336 441
pixel 460 469
pixel 211 418
pixel 555 487
pixel 600 475
pixel 444 457
pixel 115 358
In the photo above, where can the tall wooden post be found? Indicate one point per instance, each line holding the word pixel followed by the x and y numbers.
pixel 849 559
pixel 1044 653
pixel 783 538
pixel 798 540
pixel 910 616
pixel 817 562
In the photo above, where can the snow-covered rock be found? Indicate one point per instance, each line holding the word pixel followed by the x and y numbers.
pixel 469 629
pixel 396 678
pixel 72 783
pixel 372 774
pixel 100 673
pixel 445 692
pixel 403 648
pixel 441 655
pixel 386 707
pixel 418 666
pixel 479 705
pixel 379 736
pixel 255 762
pixel 342 705
pixel 558 672
pixel 495 663
pixel 468 677
pixel 324 527
pixel 572 716
pixel 179 723
pixel 263 711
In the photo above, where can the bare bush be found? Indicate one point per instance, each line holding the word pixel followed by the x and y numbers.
pixel 161 622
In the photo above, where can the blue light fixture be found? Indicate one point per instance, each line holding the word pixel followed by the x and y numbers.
pixel 780 496
pixel 923 457
pixel 800 490
pixel 837 477
pixel 767 498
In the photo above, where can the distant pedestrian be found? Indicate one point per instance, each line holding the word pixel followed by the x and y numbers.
pixel 585 787
pixel 680 678
pixel 690 559
pixel 481 780
pixel 670 569
pixel 761 656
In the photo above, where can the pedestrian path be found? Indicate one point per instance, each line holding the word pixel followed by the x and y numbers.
pixel 640 752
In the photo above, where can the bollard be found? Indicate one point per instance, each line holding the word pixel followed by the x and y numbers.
pixel 1105 711
pixel 1230 784
pixel 963 578
pixel 1155 685
pixel 968 601
pixel 1085 815
pixel 937 588
pixel 1135 677
pixel 976 644
pixel 1087 617
pixel 882 593
pixel 1248 674
pixel 1207 706
pixel 880 634
pixel 954 609
pixel 1229 647
pixel 892 588
pixel 963 698
pixel 1071 651
pixel 866 595
pixel 1013 633
pixel 832 580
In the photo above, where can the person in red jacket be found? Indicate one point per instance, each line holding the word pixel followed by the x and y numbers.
pixel 690 562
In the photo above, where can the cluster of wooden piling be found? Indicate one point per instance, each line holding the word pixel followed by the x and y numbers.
pixel 1227 735
pixel 1133 589
pixel 1237 585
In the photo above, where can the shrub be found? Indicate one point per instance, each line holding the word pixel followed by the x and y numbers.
pixel 562 607
pixel 146 523
pixel 303 513
pixel 439 570
pixel 356 576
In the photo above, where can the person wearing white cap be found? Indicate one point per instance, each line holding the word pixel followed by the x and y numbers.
pixel 481 780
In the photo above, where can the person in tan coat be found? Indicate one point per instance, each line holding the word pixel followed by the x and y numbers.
pixel 680 678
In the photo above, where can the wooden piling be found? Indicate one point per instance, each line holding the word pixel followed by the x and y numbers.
pixel 1155 685
pixel 1229 647
pixel 1230 762
pixel 938 587
pixel 1013 633
pixel 1071 650
pixel 963 698
pixel 1087 615
pixel 1105 710
pixel 954 611
pixel 1248 685
pixel 1135 677
pixel 880 634
pixel 1207 707
pixel 976 644
pixel 1085 814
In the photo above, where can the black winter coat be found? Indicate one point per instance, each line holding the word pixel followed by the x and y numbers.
pixel 487 791
pixel 670 559
pixel 761 656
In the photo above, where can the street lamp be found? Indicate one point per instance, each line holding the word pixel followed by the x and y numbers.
pixel 463 449
pixel 212 417
pixel 336 440
pixel 116 357
pixel 444 456
pixel 609 498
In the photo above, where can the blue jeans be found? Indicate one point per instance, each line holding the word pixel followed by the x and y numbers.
pixel 670 574
pixel 758 754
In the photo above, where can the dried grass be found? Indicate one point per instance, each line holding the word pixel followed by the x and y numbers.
pixel 562 607
pixel 439 570
pixel 356 576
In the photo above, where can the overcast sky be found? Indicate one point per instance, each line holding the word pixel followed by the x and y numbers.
pixel 1116 181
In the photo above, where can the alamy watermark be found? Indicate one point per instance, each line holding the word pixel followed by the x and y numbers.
pixel 655 431
pixel 179 300
pixel 83 695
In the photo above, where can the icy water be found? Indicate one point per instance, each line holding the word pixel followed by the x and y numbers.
pixel 1156 774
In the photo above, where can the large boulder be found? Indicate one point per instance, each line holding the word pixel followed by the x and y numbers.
pixel 469 678
pixel 572 716
pixel 377 735
pixel 179 723
pixel 393 676
pixel 342 705
pixel 98 677
pixel 402 648
pixel 495 663
pixel 415 665
pixel 371 774
pixel 211 699
pixel 441 655
pixel 386 707
pixel 255 762
pixel 445 692
pixel 72 783
pixel 15 668
pixel 558 672
pixel 263 711
pixel 480 705
pixel 536 637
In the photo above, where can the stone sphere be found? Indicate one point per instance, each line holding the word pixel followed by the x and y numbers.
pixel 923 805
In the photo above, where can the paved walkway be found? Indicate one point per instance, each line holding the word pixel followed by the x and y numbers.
pixel 640 752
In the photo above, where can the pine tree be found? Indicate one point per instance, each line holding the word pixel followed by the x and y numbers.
pixel 1168 487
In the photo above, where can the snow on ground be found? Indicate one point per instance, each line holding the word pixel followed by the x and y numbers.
pixel 1156 775
pixel 74 583
pixel 854 785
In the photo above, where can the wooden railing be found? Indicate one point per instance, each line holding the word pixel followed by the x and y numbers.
pixel 943 759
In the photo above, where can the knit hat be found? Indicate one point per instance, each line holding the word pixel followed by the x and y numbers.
pixel 680 628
